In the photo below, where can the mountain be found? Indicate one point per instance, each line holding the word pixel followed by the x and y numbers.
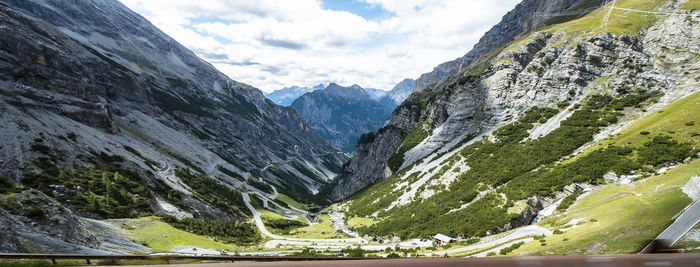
pixel 369 163
pixel 535 114
pixel 341 114
pixel 398 94
pixel 105 116
pixel 287 95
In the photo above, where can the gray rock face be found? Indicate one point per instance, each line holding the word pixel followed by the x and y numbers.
pixel 341 114
pixel 543 70
pixel 527 15
pixel 96 77
pixel 33 222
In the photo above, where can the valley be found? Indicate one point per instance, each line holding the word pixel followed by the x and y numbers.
pixel 571 128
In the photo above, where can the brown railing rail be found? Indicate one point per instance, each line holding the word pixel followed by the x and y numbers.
pixel 167 258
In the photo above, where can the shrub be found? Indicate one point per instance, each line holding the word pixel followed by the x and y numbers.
pixel 366 138
pixel 537 114
pixel 491 253
pixel 662 149
pixel 71 136
pixel 568 200
pixel 41 149
pixel 6 185
pixel 282 224
pixel 233 232
pixel 413 138
pixel 262 186
pixel 35 212
pixel 507 250
pixel 211 191
pixel 109 191
pixel 513 132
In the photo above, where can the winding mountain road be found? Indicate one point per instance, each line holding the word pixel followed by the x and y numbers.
pixel 261 226
pixel 526 231
pixel 689 218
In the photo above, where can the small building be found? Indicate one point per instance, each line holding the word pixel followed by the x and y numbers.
pixel 440 240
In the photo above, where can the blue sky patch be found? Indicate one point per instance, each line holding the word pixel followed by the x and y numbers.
pixel 360 8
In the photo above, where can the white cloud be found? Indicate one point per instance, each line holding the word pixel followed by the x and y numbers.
pixel 271 44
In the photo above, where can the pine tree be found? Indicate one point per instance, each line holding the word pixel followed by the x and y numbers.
pixel 94 203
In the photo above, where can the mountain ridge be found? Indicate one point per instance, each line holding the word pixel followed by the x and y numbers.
pixel 341 114
pixel 287 95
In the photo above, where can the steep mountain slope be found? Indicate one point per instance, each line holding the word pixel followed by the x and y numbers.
pixel 496 80
pixel 369 163
pixel 287 95
pixel 526 16
pixel 483 148
pixel 111 117
pixel 341 114
pixel 398 94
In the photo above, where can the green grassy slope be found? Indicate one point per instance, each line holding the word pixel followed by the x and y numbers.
pixel 680 120
pixel 161 237
pixel 629 215
pixel 618 218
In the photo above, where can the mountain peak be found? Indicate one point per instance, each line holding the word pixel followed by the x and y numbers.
pixel 287 95
pixel 342 114
pixel 351 92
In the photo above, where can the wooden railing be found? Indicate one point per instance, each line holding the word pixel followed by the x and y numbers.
pixel 167 258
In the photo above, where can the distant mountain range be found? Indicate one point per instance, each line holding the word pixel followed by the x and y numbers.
pixel 391 99
pixel 342 114
pixel 398 94
pixel 287 95
pixel 376 94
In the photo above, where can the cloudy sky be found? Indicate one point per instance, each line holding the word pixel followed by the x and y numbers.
pixel 272 44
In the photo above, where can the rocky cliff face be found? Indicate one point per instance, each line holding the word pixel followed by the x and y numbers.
pixel 498 80
pixel 92 85
pixel 526 16
pixel 341 114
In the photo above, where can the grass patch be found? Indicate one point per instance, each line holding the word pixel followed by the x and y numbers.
pixel 621 22
pixel 161 237
pixel 691 4
pixel 291 202
pixel 625 220
pixel 355 222
pixel 665 121
pixel 413 138
pixel 324 229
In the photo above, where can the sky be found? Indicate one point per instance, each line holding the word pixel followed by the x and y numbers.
pixel 271 44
